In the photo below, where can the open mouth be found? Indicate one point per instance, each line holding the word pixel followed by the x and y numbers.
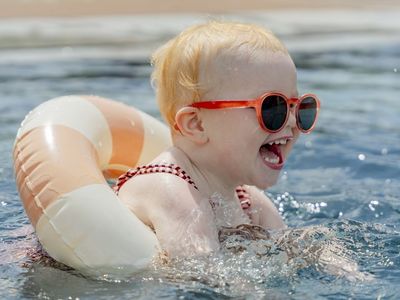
pixel 271 153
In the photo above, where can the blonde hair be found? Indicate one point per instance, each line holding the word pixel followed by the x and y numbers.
pixel 176 64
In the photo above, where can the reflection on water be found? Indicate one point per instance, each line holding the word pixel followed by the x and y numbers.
pixel 339 190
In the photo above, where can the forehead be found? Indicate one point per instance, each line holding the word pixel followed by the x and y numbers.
pixel 243 74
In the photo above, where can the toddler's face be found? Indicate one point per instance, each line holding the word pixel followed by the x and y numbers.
pixel 247 153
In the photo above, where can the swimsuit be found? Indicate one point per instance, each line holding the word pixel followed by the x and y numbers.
pixel 244 198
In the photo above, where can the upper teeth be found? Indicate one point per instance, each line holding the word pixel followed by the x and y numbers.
pixel 278 142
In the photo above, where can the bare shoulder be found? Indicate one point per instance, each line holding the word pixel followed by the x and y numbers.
pixel 181 217
pixel 263 210
pixel 157 189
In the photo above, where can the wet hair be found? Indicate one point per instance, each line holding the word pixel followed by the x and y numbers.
pixel 177 63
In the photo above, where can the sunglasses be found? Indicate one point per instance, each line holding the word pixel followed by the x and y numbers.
pixel 273 110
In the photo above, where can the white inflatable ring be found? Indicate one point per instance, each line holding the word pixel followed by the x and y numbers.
pixel 65 150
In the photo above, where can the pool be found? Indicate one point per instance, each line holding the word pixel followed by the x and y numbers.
pixel 343 181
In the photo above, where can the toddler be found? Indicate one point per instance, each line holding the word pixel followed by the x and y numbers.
pixel 229 94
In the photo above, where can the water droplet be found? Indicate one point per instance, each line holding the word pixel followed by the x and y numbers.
pixel 361 156
pixel 395 70
pixel 295 204
pixel 3 203
pixel 384 151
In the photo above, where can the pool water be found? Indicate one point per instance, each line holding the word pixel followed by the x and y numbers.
pixel 340 189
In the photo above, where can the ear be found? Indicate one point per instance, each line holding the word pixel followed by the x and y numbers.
pixel 189 123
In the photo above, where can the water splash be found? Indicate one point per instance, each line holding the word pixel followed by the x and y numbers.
pixel 254 260
pixel 227 213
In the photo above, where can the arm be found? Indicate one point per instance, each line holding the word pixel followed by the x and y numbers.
pixel 263 211
pixel 301 247
pixel 320 247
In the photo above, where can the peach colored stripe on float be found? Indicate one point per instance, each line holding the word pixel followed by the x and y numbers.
pixel 50 161
pixel 77 113
pixel 127 132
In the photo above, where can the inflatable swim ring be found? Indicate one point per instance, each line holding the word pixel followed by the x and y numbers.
pixel 65 151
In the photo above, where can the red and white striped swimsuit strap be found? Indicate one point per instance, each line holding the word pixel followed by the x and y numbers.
pixel 150 169
pixel 173 169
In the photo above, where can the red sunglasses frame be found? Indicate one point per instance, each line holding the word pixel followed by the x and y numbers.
pixel 257 104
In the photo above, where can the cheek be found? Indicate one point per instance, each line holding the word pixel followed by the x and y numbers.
pixel 296 134
pixel 219 130
pixel 247 123
pixel 234 131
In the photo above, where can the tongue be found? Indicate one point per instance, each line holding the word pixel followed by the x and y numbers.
pixel 271 151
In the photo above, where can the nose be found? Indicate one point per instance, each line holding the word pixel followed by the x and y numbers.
pixel 292 122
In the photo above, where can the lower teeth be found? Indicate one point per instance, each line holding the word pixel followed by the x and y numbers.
pixel 274 160
pixel 270 154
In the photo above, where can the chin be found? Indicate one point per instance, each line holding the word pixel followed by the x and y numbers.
pixel 266 182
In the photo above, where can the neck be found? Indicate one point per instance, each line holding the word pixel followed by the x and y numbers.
pixel 205 174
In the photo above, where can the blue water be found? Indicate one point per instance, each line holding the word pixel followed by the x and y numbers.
pixel 344 178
